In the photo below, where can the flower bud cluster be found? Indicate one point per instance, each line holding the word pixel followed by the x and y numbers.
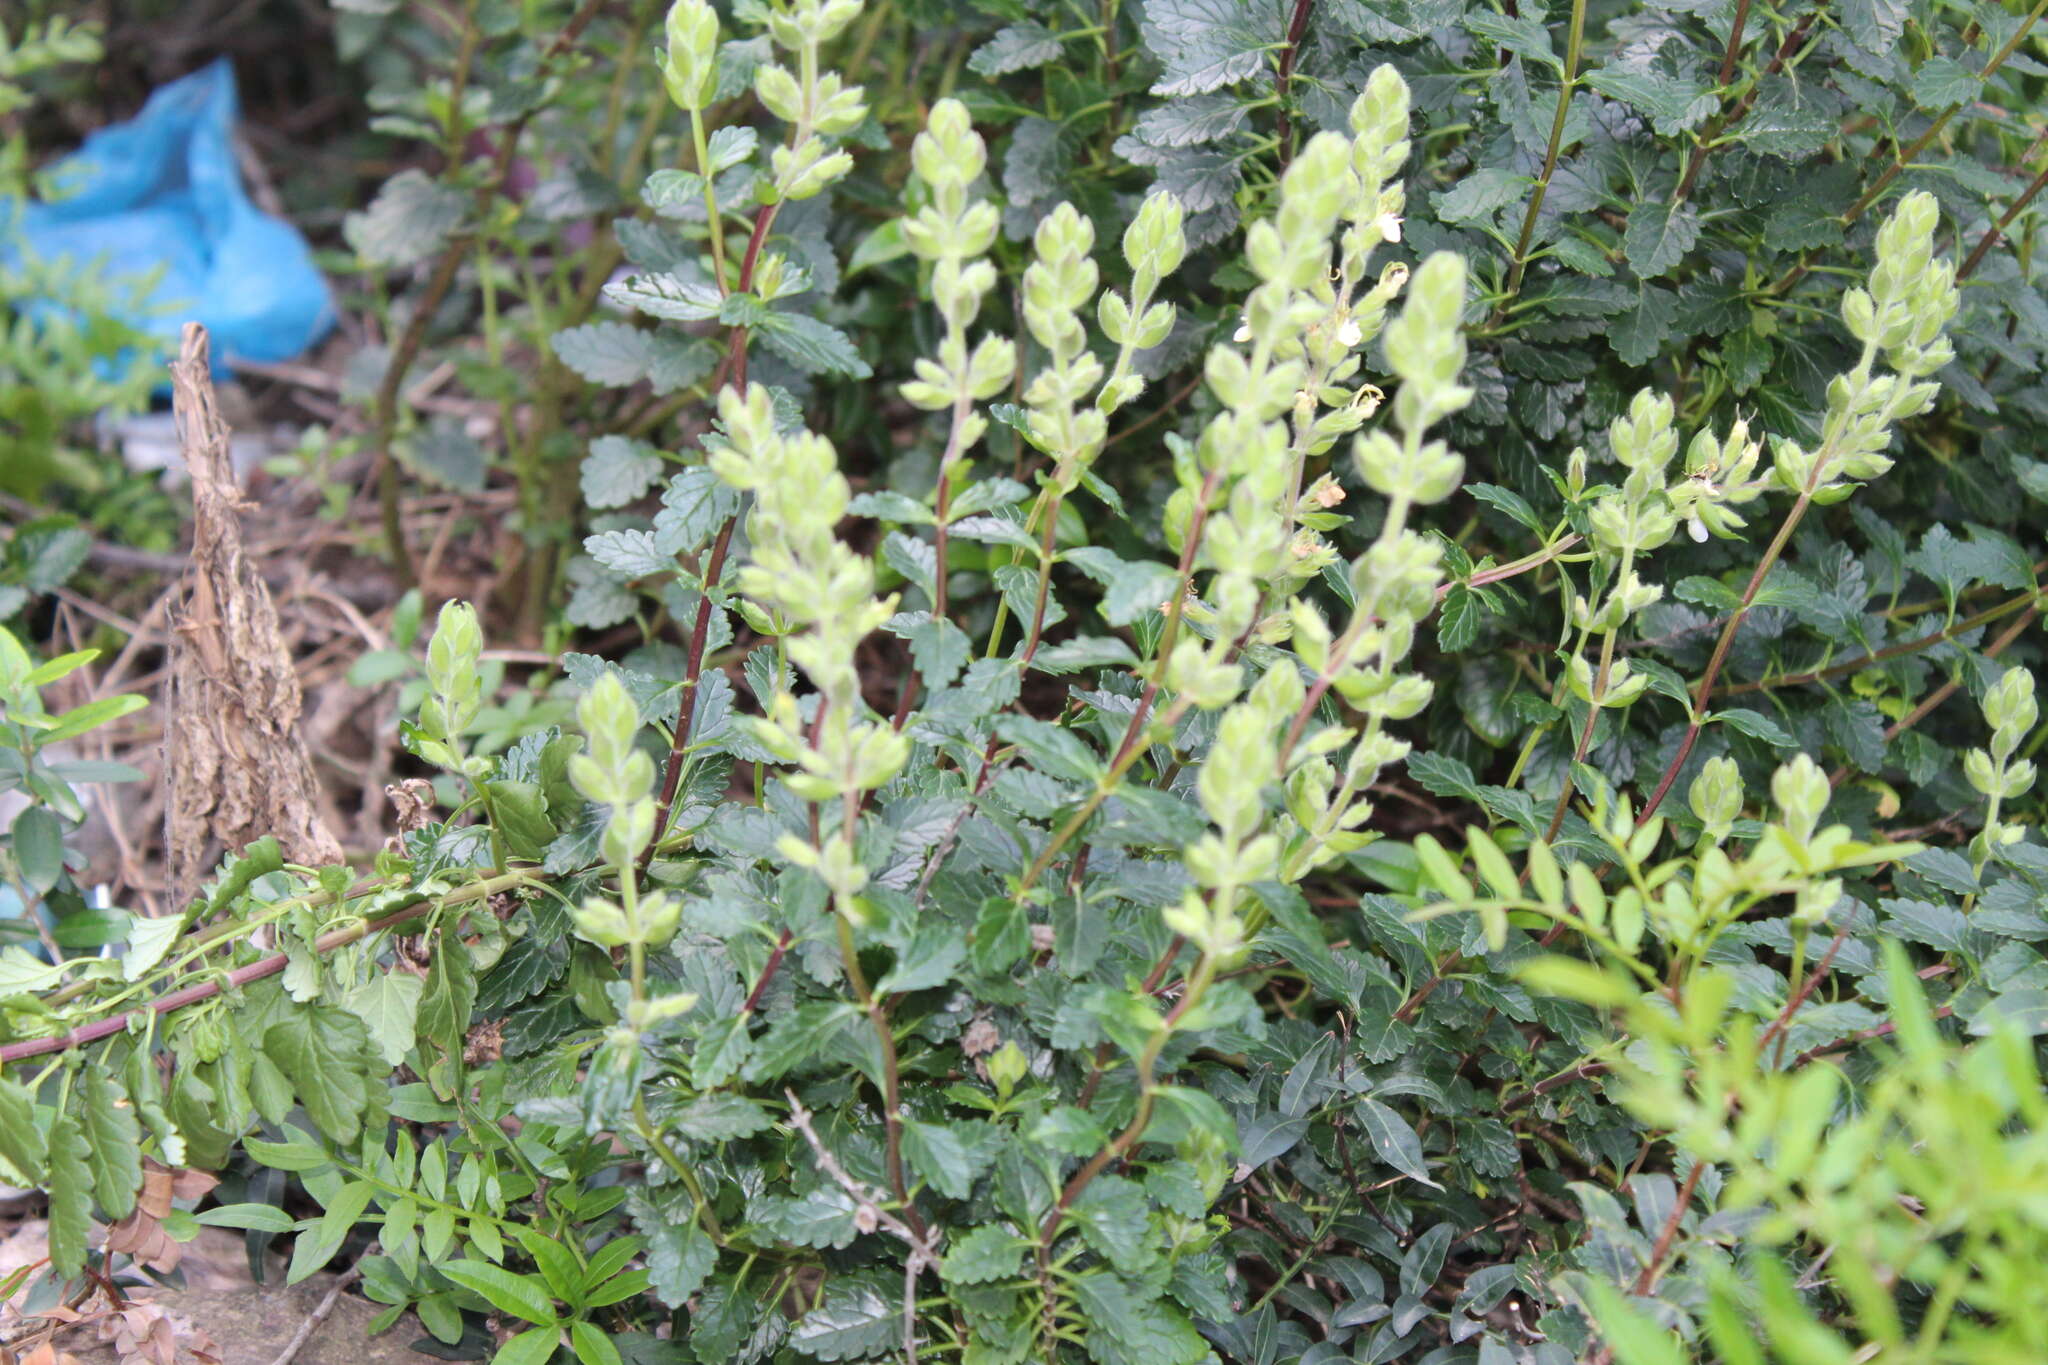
pixel 1998 772
pixel 1910 302
pixel 818 594
pixel 954 232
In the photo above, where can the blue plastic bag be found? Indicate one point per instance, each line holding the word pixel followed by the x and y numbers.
pixel 162 191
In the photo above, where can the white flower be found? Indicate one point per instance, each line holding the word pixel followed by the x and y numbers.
pixel 1389 225
pixel 1698 528
pixel 1242 334
pixel 1349 334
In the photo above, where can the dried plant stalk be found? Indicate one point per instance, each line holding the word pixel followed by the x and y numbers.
pixel 237 768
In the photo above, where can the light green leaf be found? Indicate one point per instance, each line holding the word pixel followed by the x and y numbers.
pixel 618 470
pixel 522 1296
pixel 679 1254
pixel 591 1345
pixel 938 1153
pixel 812 345
pixel 319 1049
pixel 318 1243
pixel 388 1004
pixel 614 354
pixel 535 1346
pixel 248 1217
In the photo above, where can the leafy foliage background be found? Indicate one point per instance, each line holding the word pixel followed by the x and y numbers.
pixel 1388 1125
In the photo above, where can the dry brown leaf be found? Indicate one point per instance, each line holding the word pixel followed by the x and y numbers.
pixel 141 1234
pixel 141 1332
pixel 235 764
pixel 46 1353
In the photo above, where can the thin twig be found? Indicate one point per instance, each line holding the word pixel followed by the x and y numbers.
pixel 1863 661
pixel 1996 233
pixel 1948 689
pixel 318 1315
pixel 923 1248
pixel 1647 1280
pixel 1722 122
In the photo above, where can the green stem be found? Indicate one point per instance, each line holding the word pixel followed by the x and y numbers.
pixel 1573 45
pixel 711 217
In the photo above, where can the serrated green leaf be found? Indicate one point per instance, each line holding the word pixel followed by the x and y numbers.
pixel 70 1191
pixel 115 1136
pixel 21 1139
pixel 812 345
pixel 854 1321
pixel 937 1152
pixel 409 220
pixel 1113 1217
pixel 614 354
pixel 1015 47
pixel 319 1049
pixel 388 1003
pixel 1658 236
pixel 618 471
pixel 988 1253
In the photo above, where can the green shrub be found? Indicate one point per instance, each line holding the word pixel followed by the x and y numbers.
pixel 1274 898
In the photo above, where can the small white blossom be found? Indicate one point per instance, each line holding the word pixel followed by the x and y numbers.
pixel 1389 225
pixel 1350 334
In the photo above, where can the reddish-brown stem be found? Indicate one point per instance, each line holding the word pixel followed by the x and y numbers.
pixel 1722 122
pixel 1283 78
pixel 1806 988
pixel 735 369
pixel 254 971
pixel 1124 1141
pixel 1883 1030
pixel 384 408
pixel 1927 641
pixel 693 674
pixel 1174 611
pixel 767 973
pixel 1904 159
pixel 1946 690
pixel 736 341
pixel 1705 691
pixel 1647 1279
pixel 1321 686
pixel 1997 230
pixel 1557 1082
pixel 1045 554
pixel 1728 54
